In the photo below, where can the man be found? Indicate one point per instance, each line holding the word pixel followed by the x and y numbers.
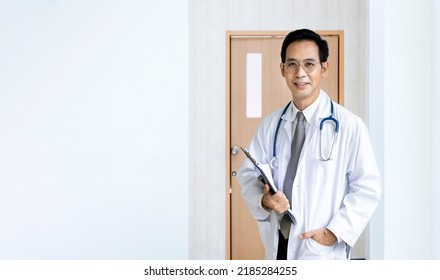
pixel 328 177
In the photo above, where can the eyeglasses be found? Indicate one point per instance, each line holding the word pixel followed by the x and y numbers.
pixel 308 66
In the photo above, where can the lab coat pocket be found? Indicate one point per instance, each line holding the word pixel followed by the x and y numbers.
pixel 324 174
pixel 313 250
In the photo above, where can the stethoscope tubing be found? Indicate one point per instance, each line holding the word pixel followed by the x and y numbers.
pixel 274 162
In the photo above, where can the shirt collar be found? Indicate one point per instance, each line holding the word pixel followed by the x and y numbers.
pixel 308 112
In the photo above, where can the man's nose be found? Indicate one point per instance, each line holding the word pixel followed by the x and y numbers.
pixel 300 72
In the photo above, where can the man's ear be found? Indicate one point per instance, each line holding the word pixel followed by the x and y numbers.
pixel 282 69
pixel 324 69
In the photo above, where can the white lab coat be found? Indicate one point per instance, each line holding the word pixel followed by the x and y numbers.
pixel 340 194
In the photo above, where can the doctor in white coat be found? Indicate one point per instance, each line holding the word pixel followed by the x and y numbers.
pixel 337 184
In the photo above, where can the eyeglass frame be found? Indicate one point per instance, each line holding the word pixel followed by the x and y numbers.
pixel 301 64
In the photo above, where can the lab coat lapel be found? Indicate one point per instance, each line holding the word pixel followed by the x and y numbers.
pixel 288 125
pixel 322 112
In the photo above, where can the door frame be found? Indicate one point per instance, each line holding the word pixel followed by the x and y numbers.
pixel 229 36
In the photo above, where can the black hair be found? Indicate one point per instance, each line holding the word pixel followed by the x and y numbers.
pixel 305 34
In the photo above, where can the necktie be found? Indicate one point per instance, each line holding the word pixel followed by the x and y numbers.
pixel 295 151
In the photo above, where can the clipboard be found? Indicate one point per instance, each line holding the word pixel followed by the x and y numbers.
pixel 266 178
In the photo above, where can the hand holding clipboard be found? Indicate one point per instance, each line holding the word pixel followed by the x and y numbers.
pixel 266 178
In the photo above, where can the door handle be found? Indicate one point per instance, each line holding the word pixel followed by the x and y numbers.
pixel 234 150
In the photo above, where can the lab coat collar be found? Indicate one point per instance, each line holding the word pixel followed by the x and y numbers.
pixel 323 110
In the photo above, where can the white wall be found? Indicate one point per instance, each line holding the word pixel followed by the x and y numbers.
pixel 375 114
pixel 407 127
pixel 435 126
pixel 94 129
pixel 403 99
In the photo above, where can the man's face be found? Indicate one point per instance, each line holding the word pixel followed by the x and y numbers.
pixel 304 81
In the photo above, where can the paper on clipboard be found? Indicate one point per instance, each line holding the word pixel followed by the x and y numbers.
pixel 265 168
pixel 266 177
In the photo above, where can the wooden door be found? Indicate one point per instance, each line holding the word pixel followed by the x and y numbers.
pixel 244 239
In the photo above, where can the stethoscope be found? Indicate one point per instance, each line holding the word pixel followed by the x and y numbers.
pixel 274 162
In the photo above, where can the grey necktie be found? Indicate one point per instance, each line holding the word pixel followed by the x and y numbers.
pixel 295 151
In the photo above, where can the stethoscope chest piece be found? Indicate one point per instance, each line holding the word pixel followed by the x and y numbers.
pixel 273 163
